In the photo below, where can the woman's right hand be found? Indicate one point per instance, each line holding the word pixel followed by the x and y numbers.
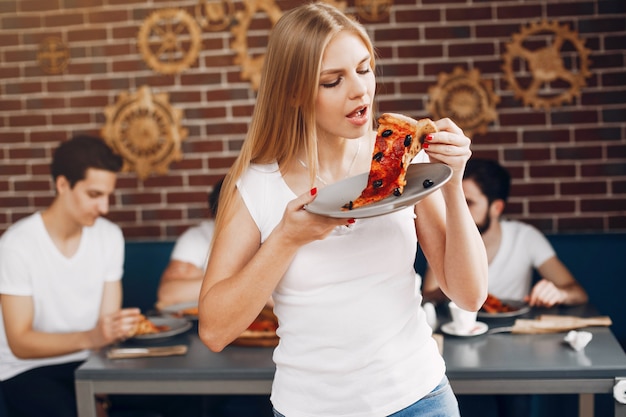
pixel 300 227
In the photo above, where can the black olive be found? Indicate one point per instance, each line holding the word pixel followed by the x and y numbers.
pixel 386 133
pixel 378 157
pixel 377 183
pixel 397 192
pixel 428 183
pixel 407 140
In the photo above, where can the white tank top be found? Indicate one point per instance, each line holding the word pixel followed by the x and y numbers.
pixel 353 340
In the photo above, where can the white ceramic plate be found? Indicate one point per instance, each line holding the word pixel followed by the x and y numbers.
pixel 177 310
pixel 330 199
pixel 520 308
pixel 479 328
pixel 176 326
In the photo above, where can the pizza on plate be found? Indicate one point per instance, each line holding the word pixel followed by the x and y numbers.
pixel 261 332
pixel 398 139
pixel 146 326
pixel 494 305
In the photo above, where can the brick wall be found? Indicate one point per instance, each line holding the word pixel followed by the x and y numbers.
pixel 568 161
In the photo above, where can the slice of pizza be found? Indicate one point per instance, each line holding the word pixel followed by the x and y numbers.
pixel 146 326
pixel 398 139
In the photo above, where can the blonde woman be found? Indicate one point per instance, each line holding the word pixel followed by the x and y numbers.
pixel 353 341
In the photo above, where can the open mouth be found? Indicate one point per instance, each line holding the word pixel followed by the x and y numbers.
pixel 359 113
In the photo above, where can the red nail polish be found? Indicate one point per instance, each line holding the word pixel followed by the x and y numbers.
pixel 425 145
pixel 429 137
pixel 313 190
pixel 350 221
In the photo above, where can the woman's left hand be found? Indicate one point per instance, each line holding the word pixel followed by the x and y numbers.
pixel 449 146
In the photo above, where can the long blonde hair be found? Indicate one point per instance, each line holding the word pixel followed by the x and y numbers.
pixel 283 122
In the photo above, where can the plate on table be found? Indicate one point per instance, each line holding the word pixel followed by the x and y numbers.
pixel 187 310
pixel 172 326
pixel 478 329
pixel 518 308
pixel 330 199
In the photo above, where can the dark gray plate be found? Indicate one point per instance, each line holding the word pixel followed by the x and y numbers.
pixel 176 325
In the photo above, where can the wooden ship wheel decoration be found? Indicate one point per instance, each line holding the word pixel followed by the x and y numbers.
pixel 169 40
pixel 552 74
pixel 373 10
pixel 214 15
pixel 251 65
pixel 145 130
pixel 465 98
pixel 53 55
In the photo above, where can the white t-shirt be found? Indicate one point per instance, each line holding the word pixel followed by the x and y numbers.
pixel 194 244
pixel 66 292
pixel 354 341
pixel 523 249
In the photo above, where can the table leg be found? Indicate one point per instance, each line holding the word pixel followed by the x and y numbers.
pixel 85 399
pixel 585 405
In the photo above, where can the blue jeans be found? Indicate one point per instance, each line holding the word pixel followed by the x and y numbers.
pixel 440 402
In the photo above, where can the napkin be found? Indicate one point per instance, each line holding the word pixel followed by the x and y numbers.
pixel 146 352
pixel 556 324
pixel 578 340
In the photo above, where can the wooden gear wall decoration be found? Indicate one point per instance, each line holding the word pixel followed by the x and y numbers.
pixel 169 40
pixel 53 55
pixel 214 15
pixel 373 10
pixel 145 130
pixel 556 76
pixel 465 98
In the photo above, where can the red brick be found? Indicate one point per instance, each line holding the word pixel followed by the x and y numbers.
pixel 161 214
pixel 473 49
pixel 552 171
pixel 580 224
pixel 473 13
pixel 521 119
pixel 139 199
pixel 108 16
pixel 38 6
pixel 7 168
pixel 603 170
pixel 65 86
pixel 506 12
pixel 583 187
pixel 527 154
pixel 29 120
pixel 561 205
pixel 71 118
pixel 63 20
pixel 32 185
pixel 603 205
pixel 83 35
pixel 19 22
pixel 95 100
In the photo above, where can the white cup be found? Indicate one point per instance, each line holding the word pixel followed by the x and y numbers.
pixel 464 321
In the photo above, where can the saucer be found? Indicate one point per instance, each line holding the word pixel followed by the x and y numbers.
pixel 479 328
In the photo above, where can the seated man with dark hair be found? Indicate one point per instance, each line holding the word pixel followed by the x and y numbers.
pixel 60 290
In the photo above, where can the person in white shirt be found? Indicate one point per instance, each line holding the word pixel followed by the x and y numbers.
pixel 182 278
pixel 60 289
pixel 515 250
pixel 353 339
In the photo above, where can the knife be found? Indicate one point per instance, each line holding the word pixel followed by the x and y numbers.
pixel 147 352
